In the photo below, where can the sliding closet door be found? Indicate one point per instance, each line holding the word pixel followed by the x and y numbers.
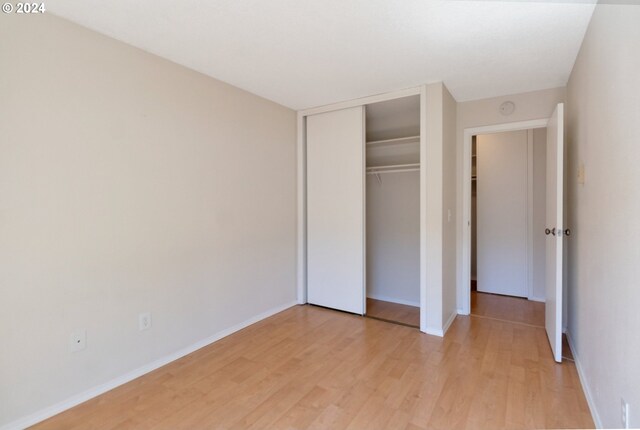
pixel 335 210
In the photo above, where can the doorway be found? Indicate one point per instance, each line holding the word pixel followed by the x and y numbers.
pixel 508 201
pixel 469 274
pixel 507 222
pixel 554 230
pixel 507 195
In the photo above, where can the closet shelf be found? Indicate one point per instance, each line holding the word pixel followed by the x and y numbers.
pixel 394 168
pixel 396 141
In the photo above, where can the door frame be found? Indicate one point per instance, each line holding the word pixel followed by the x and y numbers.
pixel 301 242
pixel 464 286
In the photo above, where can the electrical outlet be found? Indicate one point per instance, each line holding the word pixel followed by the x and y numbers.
pixel 78 340
pixel 144 321
pixel 625 414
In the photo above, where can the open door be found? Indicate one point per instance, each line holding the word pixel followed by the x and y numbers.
pixel 336 210
pixel 554 231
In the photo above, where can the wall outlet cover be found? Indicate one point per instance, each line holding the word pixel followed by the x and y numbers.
pixel 144 321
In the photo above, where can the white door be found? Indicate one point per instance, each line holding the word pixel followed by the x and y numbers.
pixel 501 184
pixel 554 231
pixel 336 210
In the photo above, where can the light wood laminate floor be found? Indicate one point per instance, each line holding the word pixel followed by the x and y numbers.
pixel 309 367
pixel 394 312
pixel 507 308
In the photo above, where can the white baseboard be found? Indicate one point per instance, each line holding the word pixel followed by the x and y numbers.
pixel 434 332
pixel 450 321
pixel 440 332
pixel 75 400
pixel 393 300
pixel 585 385
pixel 537 299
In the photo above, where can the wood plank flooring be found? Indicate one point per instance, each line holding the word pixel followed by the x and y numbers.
pixel 314 368
pixel 507 308
pixel 403 314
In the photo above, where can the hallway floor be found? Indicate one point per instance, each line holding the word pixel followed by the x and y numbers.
pixel 507 308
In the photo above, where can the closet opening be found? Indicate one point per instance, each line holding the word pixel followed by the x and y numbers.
pixel 508 209
pixel 393 210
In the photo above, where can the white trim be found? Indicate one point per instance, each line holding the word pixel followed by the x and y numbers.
pixel 464 308
pixel 393 300
pixel 465 222
pixel 507 126
pixel 301 251
pixel 537 299
pixel 75 400
pixel 364 210
pixel 445 327
pixel 529 214
pixel 450 321
pixel 423 208
pixel 362 101
pixel 433 332
pixel 585 387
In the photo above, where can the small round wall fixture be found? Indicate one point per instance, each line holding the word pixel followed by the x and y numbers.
pixel 507 108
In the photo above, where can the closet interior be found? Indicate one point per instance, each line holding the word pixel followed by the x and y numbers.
pixel 393 210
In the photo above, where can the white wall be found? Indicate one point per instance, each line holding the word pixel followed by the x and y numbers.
pixel 129 184
pixel 477 113
pixel 440 195
pixel 393 237
pixel 432 160
pixel 449 113
pixel 603 123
